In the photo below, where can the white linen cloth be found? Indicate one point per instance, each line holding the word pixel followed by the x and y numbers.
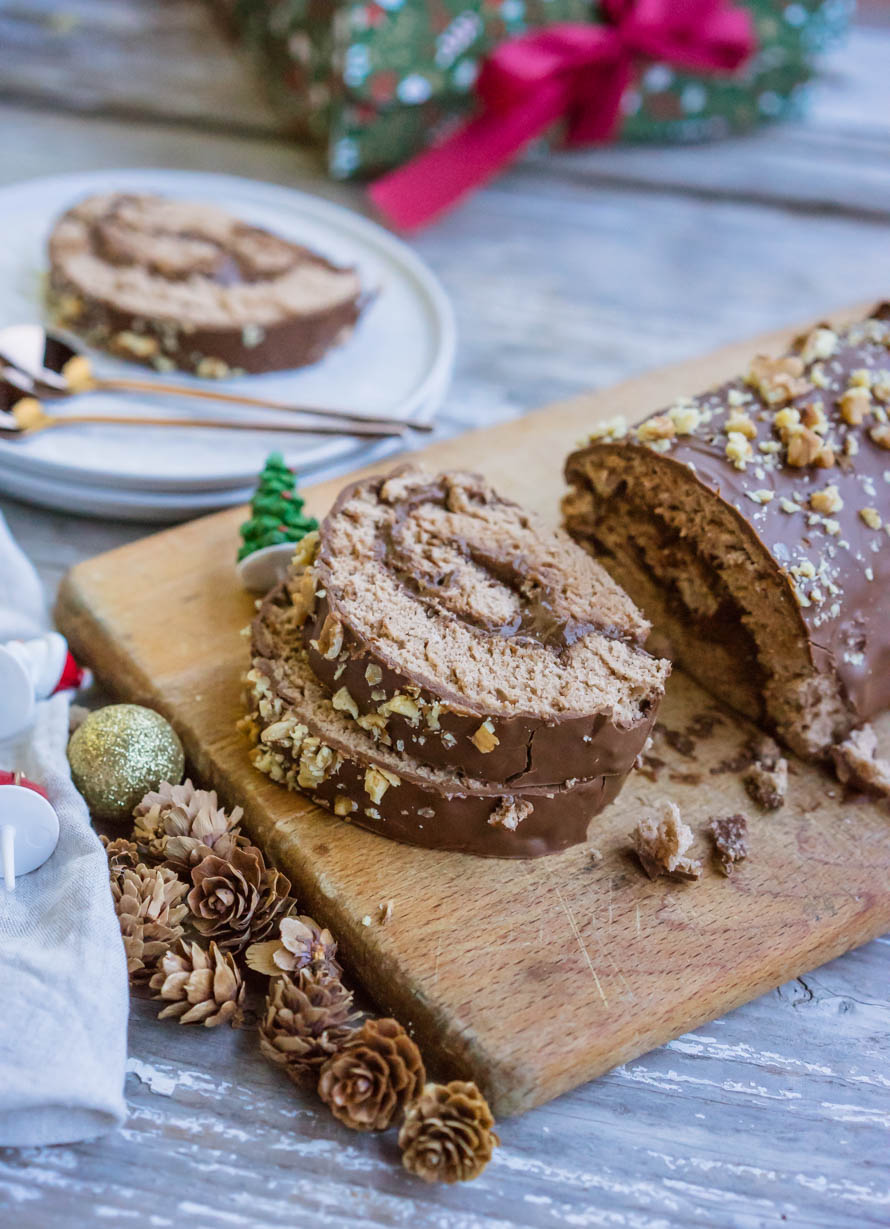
pixel 63 977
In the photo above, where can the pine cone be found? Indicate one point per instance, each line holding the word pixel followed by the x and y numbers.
pixel 447 1135
pixel 302 944
pixel 372 1077
pixel 201 986
pixel 306 1020
pixel 146 900
pixel 121 854
pixel 237 899
pixel 180 825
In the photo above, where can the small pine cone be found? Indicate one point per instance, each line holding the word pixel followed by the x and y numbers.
pixel 180 825
pixel 306 1020
pixel 201 987
pixel 147 903
pixel 238 899
pixel 121 854
pixel 302 944
pixel 372 1077
pixel 447 1135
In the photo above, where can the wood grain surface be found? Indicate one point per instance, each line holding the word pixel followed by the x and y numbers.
pixel 533 976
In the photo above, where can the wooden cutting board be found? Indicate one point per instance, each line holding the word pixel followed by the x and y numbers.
pixel 533 976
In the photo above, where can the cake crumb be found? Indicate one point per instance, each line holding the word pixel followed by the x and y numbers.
pixel 385 909
pixel 661 845
pixel 730 836
pixel 366 920
pixel 510 814
pixel 767 779
pixel 857 764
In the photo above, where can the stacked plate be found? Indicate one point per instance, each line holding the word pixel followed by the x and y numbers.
pixel 397 364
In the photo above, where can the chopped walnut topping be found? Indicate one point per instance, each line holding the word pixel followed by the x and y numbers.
pixel 685 418
pixel 778 380
pixel 344 703
pixel 611 429
pixel 306 550
pixel 871 516
pixel 761 497
pixel 485 738
pixel 303 595
pixel 330 640
pixel 855 405
pixel 767 779
pixel 373 674
pixel 881 386
pixel 860 378
pixel 730 836
pixel 377 782
pixel 813 416
pixel 662 844
pixel 881 435
pixel 857 764
pixel 344 806
pixel 788 505
pixel 403 705
pixel 509 813
pixel 660 427
pixel 827 500
pixel 820 343
pixel 805 448
pixel 317 761
pixel 739 421
pixel 738 450
pixel 211 368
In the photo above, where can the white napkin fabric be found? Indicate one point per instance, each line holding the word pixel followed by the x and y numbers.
pixel 63 977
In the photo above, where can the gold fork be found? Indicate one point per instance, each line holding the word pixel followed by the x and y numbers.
pixel 28 417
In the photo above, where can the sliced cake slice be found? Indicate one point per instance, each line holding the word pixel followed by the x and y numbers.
pixel 751 525
pixel 177 283
pixel 302 741
pixel 459 628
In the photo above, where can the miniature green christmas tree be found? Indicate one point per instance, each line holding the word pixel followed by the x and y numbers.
pixel 276 510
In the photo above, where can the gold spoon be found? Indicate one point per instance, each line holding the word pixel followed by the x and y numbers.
pixel 52 367
pixel 27 417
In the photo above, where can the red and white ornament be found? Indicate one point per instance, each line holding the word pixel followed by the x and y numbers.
pixel 29 827
pixel 32 670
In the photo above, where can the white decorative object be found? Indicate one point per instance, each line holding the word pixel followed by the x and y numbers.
pixel 29 831
pixel 259 572
pixel 32 670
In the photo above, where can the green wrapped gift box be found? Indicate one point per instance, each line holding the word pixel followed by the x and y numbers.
pixel 375 82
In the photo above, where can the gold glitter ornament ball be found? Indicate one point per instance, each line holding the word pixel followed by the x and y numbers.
pixel 119 754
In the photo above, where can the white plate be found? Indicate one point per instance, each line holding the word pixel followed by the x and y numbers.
pixel 159 507
pixel 398 361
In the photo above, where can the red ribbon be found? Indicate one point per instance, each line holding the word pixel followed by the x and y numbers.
pixel 575 71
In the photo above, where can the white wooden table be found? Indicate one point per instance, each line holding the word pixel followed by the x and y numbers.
pixel 569 273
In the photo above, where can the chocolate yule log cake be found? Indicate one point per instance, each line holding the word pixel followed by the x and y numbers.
pixel 440 667
pixel 304 742
pixel 458 627
pixel 751 525
pixel 181 284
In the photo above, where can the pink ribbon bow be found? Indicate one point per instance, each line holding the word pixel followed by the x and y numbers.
pixel 576 71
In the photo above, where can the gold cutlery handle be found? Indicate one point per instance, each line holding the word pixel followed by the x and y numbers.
pixel 227 424
pixel 206 394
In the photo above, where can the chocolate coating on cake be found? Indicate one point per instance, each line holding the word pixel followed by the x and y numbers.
pixel 304 743
pixel 475 595
pixel 172 283
pixel 798 456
